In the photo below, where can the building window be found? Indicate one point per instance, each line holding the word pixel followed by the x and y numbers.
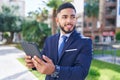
pixel 111 0
pixel 96 38
pixel 85 25
pixel 90 24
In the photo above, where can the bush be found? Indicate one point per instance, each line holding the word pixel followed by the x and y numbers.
pixel 94 74
pixel 6 35
pixel 118 36
pixel 33 31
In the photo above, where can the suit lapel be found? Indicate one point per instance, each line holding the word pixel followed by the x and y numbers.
pixel 68 43
pixel 56 39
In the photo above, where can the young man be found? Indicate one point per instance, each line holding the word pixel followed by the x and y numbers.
pixel 73 61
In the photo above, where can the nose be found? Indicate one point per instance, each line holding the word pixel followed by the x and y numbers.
pixel 69 20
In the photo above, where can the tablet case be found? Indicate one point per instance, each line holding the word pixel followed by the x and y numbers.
pixel 31 49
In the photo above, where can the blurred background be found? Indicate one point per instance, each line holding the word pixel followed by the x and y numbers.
pixel 34 20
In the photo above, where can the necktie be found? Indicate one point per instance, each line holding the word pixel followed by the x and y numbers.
pixel 62 44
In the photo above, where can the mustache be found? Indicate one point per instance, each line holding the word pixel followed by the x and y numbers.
pixel 68 24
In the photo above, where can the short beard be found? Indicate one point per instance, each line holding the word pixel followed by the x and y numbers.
pixel 64 30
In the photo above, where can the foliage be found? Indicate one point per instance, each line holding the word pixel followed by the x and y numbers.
pixel 6 35
pixel 34 28
pixel 107 71
pixel 118 36
pixel 93 74
pixel 9 21
pixel 34 31
pixel 92 8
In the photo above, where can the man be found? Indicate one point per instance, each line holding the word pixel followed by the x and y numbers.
pixel 74 60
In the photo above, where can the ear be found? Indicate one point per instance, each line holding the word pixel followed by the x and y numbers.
pixel 56 19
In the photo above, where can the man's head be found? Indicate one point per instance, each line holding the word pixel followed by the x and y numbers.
pixel 66 17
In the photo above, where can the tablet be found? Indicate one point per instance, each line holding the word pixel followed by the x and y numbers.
pixel 31 49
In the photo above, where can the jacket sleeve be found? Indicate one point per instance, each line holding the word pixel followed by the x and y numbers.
pixel 81 65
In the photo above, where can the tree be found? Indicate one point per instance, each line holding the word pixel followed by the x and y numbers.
pixel 92 8
pixel 54 4
pixel 92 11
pixel 9 21
pixel 34 28
pixel 118 36
pixel 34 31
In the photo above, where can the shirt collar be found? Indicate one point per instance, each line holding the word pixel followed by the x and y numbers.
pixel 68 35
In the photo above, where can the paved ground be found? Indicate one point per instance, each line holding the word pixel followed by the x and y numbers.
pixel 10 67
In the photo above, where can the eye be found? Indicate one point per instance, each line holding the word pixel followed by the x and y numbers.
pixel 64 17
pixel 72 17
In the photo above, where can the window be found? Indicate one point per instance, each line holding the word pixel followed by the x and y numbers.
pixel 90 24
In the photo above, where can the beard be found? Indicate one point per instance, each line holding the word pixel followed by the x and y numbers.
pixel 69 31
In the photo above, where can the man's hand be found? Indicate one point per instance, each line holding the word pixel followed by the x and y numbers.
pixel 29 62
pixel 44 67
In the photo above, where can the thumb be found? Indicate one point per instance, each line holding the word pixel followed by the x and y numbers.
pixel 48 60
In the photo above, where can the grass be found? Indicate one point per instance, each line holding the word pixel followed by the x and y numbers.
pixel 106 70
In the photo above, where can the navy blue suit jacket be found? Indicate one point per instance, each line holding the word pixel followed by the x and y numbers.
pixel 75 59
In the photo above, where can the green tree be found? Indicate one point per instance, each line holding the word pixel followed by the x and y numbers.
pixel 34 31
pixel 92 11
pixel 118 36
pixel 92 8
pixel 34 28
pixel 9 21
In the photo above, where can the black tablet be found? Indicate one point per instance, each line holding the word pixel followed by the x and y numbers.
pixel 31 49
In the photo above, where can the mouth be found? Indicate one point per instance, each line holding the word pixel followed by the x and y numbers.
pixel 69 26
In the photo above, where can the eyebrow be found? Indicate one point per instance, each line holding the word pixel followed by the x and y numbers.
pixel 67 15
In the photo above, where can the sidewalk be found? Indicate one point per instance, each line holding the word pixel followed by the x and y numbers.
pixel 10 67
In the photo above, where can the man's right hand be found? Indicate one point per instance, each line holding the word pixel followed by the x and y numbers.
pixel 29 63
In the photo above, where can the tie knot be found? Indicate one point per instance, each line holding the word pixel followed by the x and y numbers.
pixel 64 38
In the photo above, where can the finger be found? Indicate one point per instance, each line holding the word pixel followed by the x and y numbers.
pixel 38 60
pixel 28 60
pixel 34 61
pixel 30 65
pixel 28 57
pixel 48 60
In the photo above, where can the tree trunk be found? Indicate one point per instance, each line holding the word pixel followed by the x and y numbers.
pixel 54 25
pixel 9 39
pixel 94 20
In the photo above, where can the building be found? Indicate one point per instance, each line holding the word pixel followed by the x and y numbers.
pixel 104 27
pixel 118 17
pixel 79 5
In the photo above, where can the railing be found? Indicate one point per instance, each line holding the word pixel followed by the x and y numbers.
pixel 106 49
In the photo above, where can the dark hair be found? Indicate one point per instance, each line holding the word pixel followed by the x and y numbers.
pixel 64 6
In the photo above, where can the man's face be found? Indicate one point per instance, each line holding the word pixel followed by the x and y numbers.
pixel 66 19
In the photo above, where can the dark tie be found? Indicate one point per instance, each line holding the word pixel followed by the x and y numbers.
pixel 62 45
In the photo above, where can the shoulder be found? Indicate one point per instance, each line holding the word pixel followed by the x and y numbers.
pixel 85 39
pixel 52 37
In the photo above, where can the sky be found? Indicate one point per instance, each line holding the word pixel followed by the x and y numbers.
pixel 32 5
